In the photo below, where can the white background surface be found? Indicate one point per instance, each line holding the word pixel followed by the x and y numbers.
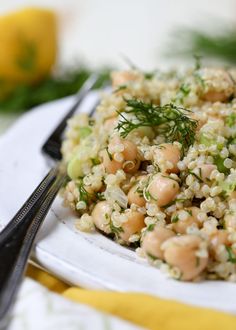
pixel 98 31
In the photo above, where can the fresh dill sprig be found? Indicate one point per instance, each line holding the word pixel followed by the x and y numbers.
pixel 171 121
pixel 198 177
pixel 183 92
pixel 83 194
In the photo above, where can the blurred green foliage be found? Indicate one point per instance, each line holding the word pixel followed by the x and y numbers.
pixel 24 97
pixel 221 45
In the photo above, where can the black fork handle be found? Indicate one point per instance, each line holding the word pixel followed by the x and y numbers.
pixel 17 238
pixel 32 201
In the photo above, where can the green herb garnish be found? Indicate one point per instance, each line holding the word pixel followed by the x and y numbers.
pixel 109 154
pixel 148 196
pixel 170 120
pixel 185 89
pixel 149 75
pixel 183 92
pixel 175 219
pixel 151 227
pixel 139 191
pixel 100 196
pixel 219 162
pixel 120 88
pixel 83 194
pixel 115 230
pixel 169 177
pixel 180 200
pixel 231 120
pixel 196 176
pixel 231 255
pixel 189 212
pixel 150 256
pixel 199 79
pixel 95 161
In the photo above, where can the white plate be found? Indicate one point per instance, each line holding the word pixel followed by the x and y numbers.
pixel 88 260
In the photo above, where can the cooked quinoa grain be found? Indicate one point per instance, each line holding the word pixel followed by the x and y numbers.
pixel 156 169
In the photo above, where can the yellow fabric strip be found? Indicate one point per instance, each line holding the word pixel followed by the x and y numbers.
pixel 144 310
pixel 153 313
pixel 46 279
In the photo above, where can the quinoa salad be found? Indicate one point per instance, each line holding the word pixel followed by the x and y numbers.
pixel 155 169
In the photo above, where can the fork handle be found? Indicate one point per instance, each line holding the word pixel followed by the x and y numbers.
pixel 16 241
pixel 34 200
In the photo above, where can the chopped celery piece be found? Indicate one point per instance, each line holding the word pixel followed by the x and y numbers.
pixel 227 187
pixel 74 168
pixel 82 155
pixel 231 120
pixel 204 139
pixel 84 132
pixel 219 162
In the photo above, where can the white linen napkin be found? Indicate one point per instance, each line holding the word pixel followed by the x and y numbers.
pixel 39 309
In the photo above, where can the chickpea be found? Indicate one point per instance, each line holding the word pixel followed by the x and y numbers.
pixel 200 121
pixel 130 162
pixel 180 251
pixel 221 237
pixel 214 96
pixel 217 239
pixel 205 171
pixel 180 226
pixel 111 166
pixel 153 240
pixel 230 222
pixel 130 152
pixel 119 78
pixel 168 152
pixel 163 189
pixel 134 196
pixel 232 195
pixel 101 215
pixel 89 190
pixel 219 85
pixel 110 123
pixel 132 226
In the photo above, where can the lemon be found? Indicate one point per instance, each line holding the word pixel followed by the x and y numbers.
pixel 28 40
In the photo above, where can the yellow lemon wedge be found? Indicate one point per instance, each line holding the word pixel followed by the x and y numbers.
pixel 28 40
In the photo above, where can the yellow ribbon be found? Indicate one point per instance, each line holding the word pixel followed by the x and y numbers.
pixel 141 309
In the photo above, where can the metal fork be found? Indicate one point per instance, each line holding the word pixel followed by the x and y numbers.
pixel 17 237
